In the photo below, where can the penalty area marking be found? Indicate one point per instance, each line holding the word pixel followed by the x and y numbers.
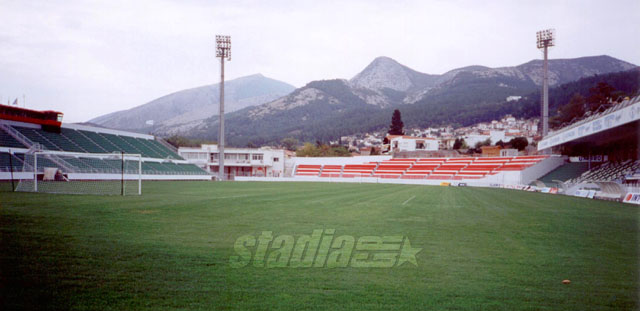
pixel 409 199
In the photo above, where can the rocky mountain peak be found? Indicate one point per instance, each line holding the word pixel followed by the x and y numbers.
pixel 384 72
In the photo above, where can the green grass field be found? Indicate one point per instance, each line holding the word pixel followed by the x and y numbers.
pixel 169 249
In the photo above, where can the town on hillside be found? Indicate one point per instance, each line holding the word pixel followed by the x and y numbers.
pixel 431 139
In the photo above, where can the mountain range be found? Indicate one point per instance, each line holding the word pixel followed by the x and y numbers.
pixel 184 110
pixel 398 84
pixel 327 109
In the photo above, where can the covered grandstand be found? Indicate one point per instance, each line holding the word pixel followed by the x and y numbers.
pixel 603 153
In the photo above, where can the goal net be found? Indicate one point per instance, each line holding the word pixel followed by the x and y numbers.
pixel 82 173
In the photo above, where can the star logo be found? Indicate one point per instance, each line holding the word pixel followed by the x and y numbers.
pixel 408 253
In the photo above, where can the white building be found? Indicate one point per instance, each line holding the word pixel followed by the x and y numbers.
pixel 238 161
pixel 510 120
pixel 496 136
pixel 410 143
pixel 509 152
pixel 473 139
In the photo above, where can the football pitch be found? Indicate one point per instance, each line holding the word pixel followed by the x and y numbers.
pixel 172 248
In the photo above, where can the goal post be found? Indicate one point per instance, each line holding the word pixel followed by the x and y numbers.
pixel 82 173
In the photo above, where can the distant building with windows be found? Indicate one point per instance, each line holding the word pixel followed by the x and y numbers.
pixel 411 143
pixel 238 161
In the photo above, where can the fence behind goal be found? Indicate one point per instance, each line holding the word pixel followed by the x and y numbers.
pixel 82 173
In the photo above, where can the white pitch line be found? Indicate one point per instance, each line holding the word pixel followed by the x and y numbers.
pixel 409 199
pixel 234 196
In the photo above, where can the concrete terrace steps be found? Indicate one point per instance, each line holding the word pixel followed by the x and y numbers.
pixel 87 141
pixel 565 172
pixel 422 168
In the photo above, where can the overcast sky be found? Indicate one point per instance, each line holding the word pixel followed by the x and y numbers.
pixel 88 58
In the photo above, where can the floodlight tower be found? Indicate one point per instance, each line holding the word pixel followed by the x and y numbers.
pixel 223 50
pixel 546 39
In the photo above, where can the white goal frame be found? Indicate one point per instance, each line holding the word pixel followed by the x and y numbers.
pixel 130 173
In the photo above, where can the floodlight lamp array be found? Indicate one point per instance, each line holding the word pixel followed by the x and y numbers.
pixel 223 47
pixel 545 38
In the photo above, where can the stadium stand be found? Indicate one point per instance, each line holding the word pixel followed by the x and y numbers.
pixel 609 135
pixel 633 176
pixel 358 170
pixel 83 141
pixel 92 142
pixel 564 173
pixel 158 159
pixel 423 168
pixel 308 170
pixel 609 171
pixel 7 140
pixel 6 163
pixel 393 168
pixel 331 171
pixel 420 171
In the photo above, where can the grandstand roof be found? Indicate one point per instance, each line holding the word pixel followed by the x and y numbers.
pixel 623 113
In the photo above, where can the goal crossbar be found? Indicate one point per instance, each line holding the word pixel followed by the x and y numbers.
pixel 82 173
